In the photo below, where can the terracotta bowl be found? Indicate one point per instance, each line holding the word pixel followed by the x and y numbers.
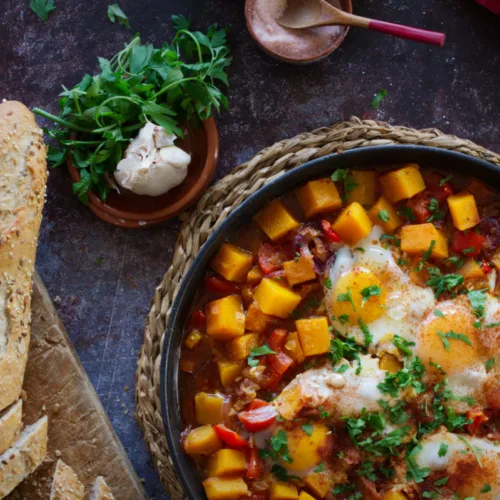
pixel 303 58
pixel 130 210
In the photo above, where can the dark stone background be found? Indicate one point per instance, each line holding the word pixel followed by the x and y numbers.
pixel 105 276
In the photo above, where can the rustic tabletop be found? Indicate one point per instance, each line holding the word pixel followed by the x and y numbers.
pixel 102 277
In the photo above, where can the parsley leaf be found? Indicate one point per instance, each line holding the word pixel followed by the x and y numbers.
pixel 383 215
pixel 370 291
pixel 454 336
pixel 366 332
pixel 343 319
pixel 413 471
pixel 346 297
pixel 438 313
pixel 279 446
pixel 486 488
pixel 442 283
pixel 42 8
pixel 472 449
pixel 116 13
pixel 281 473
pixel 489 364
pixel 403 345
pixel 308 429
pixel 320 468
pixel 340 174
pixel 328 283
pixel 443 449
pixel 258 351
pixel 425 256
pixel 367 470
pixel 378 98
pixel 407 212
pixel 477 300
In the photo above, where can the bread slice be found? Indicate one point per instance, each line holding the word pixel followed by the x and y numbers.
pixel 65 485
pixel 23 175
pixel 24 457
pixel 101 490
pixel 11 423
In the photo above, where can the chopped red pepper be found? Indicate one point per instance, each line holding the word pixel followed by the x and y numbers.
pixel 277 339
pixel 255 465
pixel 259 419
pixel 198 319
pixel 270 258
pixel 257 403
pixel 419 204
pixel 486 267
pixel 478 418
pixel 218 284
pixel 231 438
pixel 330 234
pixel 468 243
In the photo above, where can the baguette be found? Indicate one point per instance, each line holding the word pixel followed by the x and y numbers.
pixel 23 175
pixel 10 425
pixel 24 457
pixel 101 490
pixel 66 485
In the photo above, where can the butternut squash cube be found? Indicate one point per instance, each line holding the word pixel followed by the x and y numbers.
pixel 463 210
pixel 394 495
pixel 293 347
pixel 364 192
pixel 318 197
pixel 353 224
pixel 385 215
pixel 305 496
pixel 202 441
pixel 256 320
pixel 228 371
pixel 416 239
pixel 283 491
pixel 299 271
pixel 254 275
pixel 225 488
pixel 471 270
pixel 403 183
pixel 276 220
pixel 390 363
pixel 320 483
pixel 193 339
pixel 225 318
pixel 275 299
pixel 225 462
pixel 232 262
pixel 239 348
pixel 314 335
pixel 208 407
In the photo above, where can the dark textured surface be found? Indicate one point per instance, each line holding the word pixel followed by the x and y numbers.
pixel 105 276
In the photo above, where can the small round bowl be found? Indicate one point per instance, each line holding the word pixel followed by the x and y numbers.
pixel 304 58
pixel 130 210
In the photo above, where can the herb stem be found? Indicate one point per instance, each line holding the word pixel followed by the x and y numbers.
pixel 60 121
pixel 168 87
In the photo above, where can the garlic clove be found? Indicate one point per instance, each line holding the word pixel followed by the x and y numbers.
pixel 175 156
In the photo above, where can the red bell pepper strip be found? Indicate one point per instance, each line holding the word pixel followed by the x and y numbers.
pixel 255 465
pixel 277 339
pixel 486 267
pixel 259 419
pixel 198 319
pixel 257 403
pixel 280 362
pixel 468 243
pixel 218 284
pixel 419 204
pixel 231 438
pixel 330 234
pixel 478 418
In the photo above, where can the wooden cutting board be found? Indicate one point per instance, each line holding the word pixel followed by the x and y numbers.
pixel 80 433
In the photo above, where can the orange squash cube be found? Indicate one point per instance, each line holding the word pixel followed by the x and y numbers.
pixel 275 299
pixel 319 483
pixel 208 407
pixel 385 215
pixel 229 371
pixel 276 220
pixel 394 495
pixel 193 339
pixel 305 496
pixel 239 348
pixel 471 270
pixel 314 335
pixel 283 491
pixel 232 262
pixel 353 224
pixel 416 239
pixel 293 347
pixel 254 275
pixel 256 320
pixel 202 441
pixel 225 318
pixel 318 197
pixel 403 183
pixel 225 488
pixel 364 192
pixel 225 462
pixel 463 210
pixel 299 271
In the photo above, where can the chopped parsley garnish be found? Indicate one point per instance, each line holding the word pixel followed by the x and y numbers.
pixel 370 291
pixel 366 332
pixel 442 283
pixel 493 325
pixel 438 313
pixel 359 249
pixel 281 473
pixel 342 368
pixel 383 215
pixel 443 480
pixel 328 283
pixel 436 214
pixel 343 488
pixel 345 349
pixel 454 336
pixel 342 174
pixel 407 212
pixel 258 351
pixel 444 180
pixel 403 345
pixel 115 13
pixel 486 488
pixel 425 256
pixel 402 262
pixel 413 471
pixel 308 429
pixel 346 297
pixel 443 449
pixel 468 250
pixel 397 414
pixel 367 470
pixel 279 447
pixel 472 449
pixel 409 376
pixel 477 300
pixel 489 364
pixel 343 319
pixel 320 468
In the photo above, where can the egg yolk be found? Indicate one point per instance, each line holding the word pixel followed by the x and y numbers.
pixel 358 294
pixel 450 341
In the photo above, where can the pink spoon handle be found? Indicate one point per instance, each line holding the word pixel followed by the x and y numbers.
pixel 415 34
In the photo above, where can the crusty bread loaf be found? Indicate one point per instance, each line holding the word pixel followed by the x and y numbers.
pixel 23 174
pixel 65 485
pixel 101 490
pixel 24 457
pixel 11 423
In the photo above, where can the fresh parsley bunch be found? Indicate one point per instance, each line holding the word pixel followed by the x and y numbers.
pixel 166 86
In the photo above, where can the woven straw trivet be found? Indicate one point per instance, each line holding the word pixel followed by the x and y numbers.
pixel 215 206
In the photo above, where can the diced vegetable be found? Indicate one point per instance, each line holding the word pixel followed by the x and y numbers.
pixel 225 318
pixel 293 348
pixel 314 335
pixel 427 205
pixel 256 320
pixel 318 197
pixel 416 239
pixel 329 233
pixel 485 266
pixel 275 299
pixel 283 491
pixel 202 441
pixel 364 192
pixel 394 495
pixel 299 271
pixel 463 210
pixel 232 262
pixel 229 371
pixel 478 418
pixel 319 483
pixel 254 275
pixel 468 243
pixel 258 419
pixel 403 183
pixel 276 220
pixel 390 363
pixel 208 407
pixel 306 449
pixel 229 437
pixel 385 215
pixel 255 468
pixel 471 270
pixel 193 339
pixel 223 488
pixel 305 496
pixel 198 320
pixel 217 284
pixel 257 403
pixel 239 348
pixel 353 224
pixel 270 257
pixel 227 462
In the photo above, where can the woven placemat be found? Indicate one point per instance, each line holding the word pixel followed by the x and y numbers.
pixel 215 206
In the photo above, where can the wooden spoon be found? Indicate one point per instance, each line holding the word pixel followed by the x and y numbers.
pixel 300 14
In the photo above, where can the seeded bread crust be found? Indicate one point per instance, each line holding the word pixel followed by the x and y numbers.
pixel 11 423
pixel 23 175
pixel 66 485
pixel 101 490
